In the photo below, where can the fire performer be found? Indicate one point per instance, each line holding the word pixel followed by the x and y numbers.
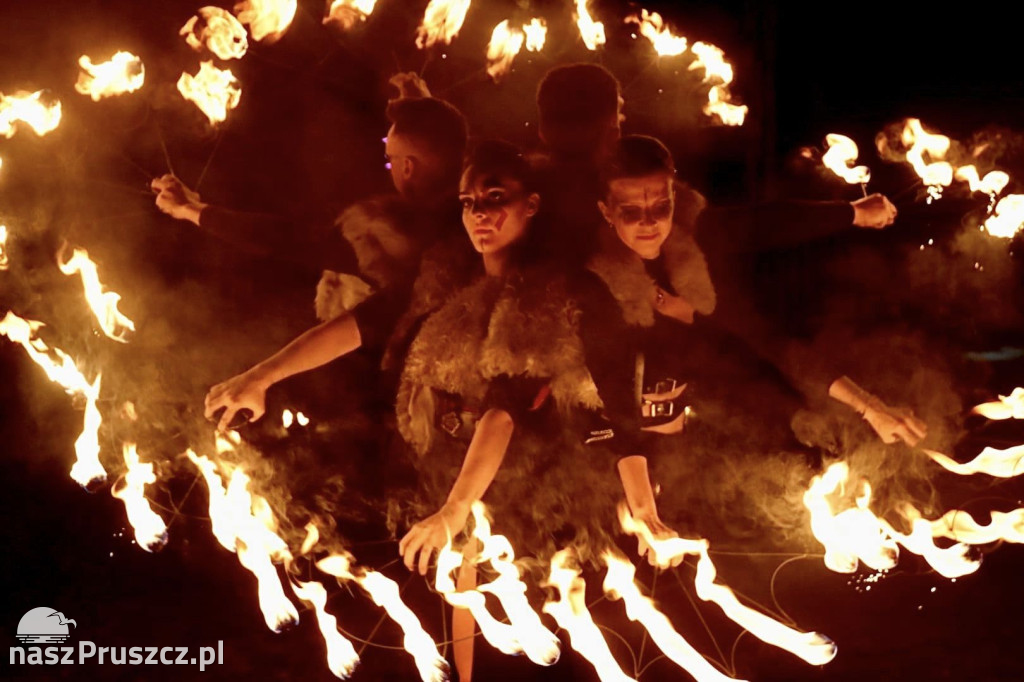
pixel 380 243
pixel 498 351
pixel 580 108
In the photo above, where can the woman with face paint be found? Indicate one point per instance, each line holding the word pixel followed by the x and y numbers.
pixel 495 379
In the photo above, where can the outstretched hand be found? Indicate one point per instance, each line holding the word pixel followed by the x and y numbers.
pixel 177 200
pixel 895 423
pixel 874 211
pixel 660 532
pixel 431 534
pixel 243 392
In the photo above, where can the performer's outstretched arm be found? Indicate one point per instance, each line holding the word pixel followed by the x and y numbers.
pixel 483 459
pixel 636 483
pixel 318 346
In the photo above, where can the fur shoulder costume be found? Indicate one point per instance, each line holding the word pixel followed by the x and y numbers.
pixel 522 325
pixel 622 270
pixel 387 250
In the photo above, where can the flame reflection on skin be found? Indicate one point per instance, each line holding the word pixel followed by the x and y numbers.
pixel 347 13
pixel 652 27
pixel 221 33
pixel 592 32
pixel 150 529
pixel 385 593
pixel 571 613
pixel 841 155
pixel 102 303
pixel 342 658
pixel 213 90
pixel 619 584
pixel 267 19
pixel 1007 407
pixel 124 73
pixel 243 523
pixel 442 21
pixel 30 109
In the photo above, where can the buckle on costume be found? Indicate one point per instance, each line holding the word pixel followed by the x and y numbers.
pixel 451 423
pixel 599 435
pixel 665 408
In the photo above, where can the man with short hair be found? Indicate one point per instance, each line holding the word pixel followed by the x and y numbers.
pixel 373 255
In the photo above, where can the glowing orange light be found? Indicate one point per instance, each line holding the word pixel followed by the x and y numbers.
pixel 30 109
pixel 442 21
pixel 840 157
pixel 652 27
pixel 267 19
pixel 221 33
pixel 719 73
pixel 213 90
pixel 536 33
pixel 347 13
pixel 103 304
pixel 124 73
pixel 1007 218
pixel 592 32
pixel 935 173
pixel 502 49
pixel 150 529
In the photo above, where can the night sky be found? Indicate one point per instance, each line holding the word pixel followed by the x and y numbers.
pixel 305 141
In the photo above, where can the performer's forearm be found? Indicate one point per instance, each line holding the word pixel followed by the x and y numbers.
pixel 636 483
pixel 314 348
pixel 847 392
pixel 483 458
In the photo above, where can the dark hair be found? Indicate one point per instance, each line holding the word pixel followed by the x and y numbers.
pixel 636 156
pixel 500 158
pixel 574 101
pixel 434 123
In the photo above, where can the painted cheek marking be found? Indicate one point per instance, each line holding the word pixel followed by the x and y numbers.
pixel 502 215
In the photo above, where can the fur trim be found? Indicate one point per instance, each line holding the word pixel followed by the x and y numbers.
pixel 623 270
pixel 386 253
pixel 525 325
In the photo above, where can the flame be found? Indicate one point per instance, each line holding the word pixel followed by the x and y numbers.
pixel 87 470
pixel 571 614
pixel 950 562
pixel 812 647
pixel 592 32
pixel 503 48
pixel 267 19
pixel 243 523
pixel 150 529
pixel 346 13
pixel 960 526
pixel 500 635
pixel 312 537
pixel 652 27
pixel 998 463
pixel 213 90
pixel 4 262
pixel 539 644
pixel 124 73
pixel 103 303
pixel 442 20
pixel 385 593
pixel 287 419
pixel 1007 218
pixel 935 173
pixel 712 59
pixel 342 658
pixel 618 583
pixel 29 109
pixel 840 157
pixel 536 33
pixel 852 534
pixel 992 184
pixel 1007 407
pixel 222 33
pixel 302 419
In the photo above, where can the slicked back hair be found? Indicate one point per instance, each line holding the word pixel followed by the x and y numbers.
pixel 435 124
pixel 636 156
pixel 575 102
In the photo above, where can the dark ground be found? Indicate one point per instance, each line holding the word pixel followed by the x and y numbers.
pixel 305 142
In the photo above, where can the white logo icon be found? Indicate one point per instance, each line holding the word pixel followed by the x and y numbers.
pixel 44 625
